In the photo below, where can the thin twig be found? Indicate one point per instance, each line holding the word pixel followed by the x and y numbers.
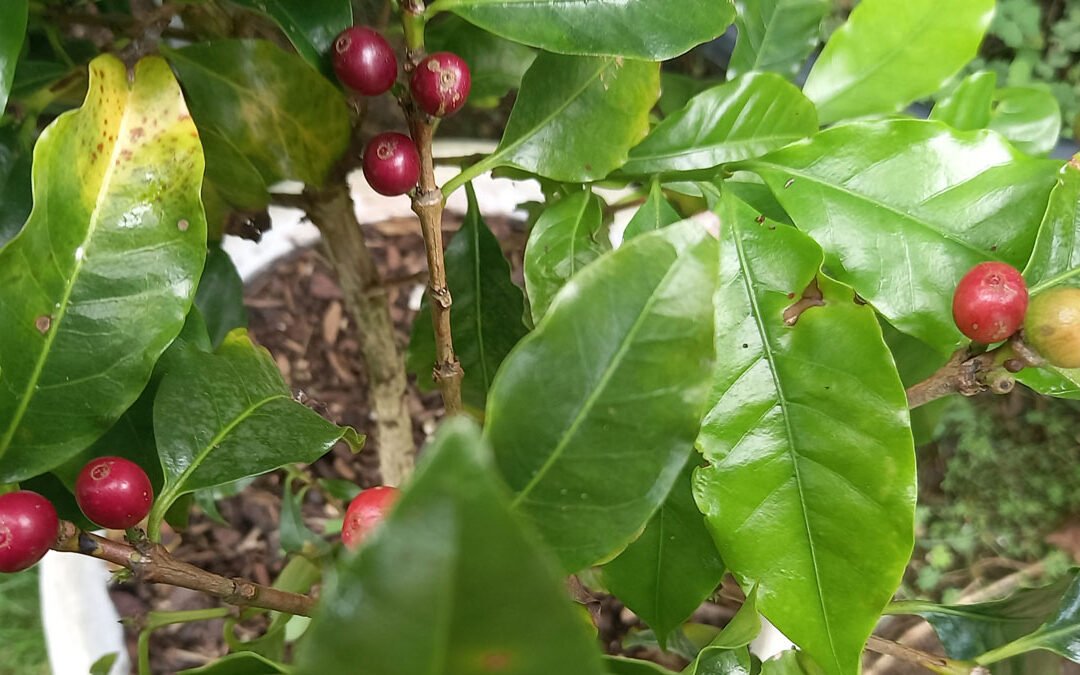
pixel 427 203
pixel 970 373
pixel 152 563
pixel 931 662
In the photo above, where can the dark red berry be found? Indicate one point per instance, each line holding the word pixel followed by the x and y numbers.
pixel 440 84
pixel 28 526
pixel 364 61
pixel 990 302
pixel 391 164
pixel 365 512
pixel 114 492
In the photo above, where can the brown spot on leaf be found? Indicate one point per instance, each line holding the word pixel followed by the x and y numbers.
pixel 760 219
pixel 495 661
pixel 811 297
pixel 137 133
pixel 789 183
pixel 183 225
pixel 43 323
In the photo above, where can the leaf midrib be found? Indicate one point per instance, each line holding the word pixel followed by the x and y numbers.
pixel 592 398
pixel 781 398
pixel 175 487
pixel 69 286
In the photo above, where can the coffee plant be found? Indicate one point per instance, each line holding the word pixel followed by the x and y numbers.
pixel 725 386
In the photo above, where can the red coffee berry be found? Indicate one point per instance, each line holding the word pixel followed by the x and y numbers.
pixel 365 512
pixel 391 164
pixel 990 302
pixel 364 61
pixel 28 526
pixel 440 84
pixel 114 492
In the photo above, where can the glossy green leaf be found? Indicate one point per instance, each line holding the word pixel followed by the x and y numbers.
pixel 776 35
pixel 968 107
pixel 99 281
pixel 310 25
pixel 667 572
pixel 889 54
pixel 496 65
pixel 565 105
pixel 620 665
pixel 791 662
pixel 283 116
pixel 1055 261
pixel 676 90
pixel 568 236
pixel 228 415
pixel 1060 634
pixel 452 547
pixel 565 412
pixel 743 627
pixel 488 310
pixel 904 208
pixel 12 33
pixel 1030 118
pixel 744 118
pixel 234 177
pixel 656 213
pixel 720 661
pixel 33 75
pixel 15 192
pixel 968 631
pixel 810 487
pixel 655 30
pixel 220 297
pixel 240 663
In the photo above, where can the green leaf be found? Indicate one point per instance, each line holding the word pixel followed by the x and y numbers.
pixel 1060 634
pixel 968 107
pixel 904 208
pixel 240 663
pixel 810 488
pixel 676 90
pixel 15 193
pixel 310 25
pixel 656 213
pixel 744 118
pixel 32 76
pixel 12 33
pixel 667 572
pixel 568 236
pixel 232 174
pixel 496 65
pixel 628 339
pixel 228 415
pixel 565 104
pixel 967 631
pixel 1055 261
pixel 776 35
pixel 655 30
pixel 1030 118
pixel 743 627
pixel 720 661
pixel 451 546
pixel 99 281
pixel 103 666
pixel 791 662
pixel 620 665
pixel 283 116
pixel 488 310
pixel 220 297
pixel 890 53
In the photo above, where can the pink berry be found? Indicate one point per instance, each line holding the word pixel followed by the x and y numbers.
pixel 28 527
pixel 366 511
pixel 114 492
pixel 990 302
pixel 440 84
pixel 364 61
pixel 391 164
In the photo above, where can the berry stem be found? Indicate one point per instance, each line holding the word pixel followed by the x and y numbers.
pixel 152 563
pixel 413 22
pixel 969 373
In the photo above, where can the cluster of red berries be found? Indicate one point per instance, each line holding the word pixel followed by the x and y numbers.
pixel 111 491
pixel 991 304
pixel 439 85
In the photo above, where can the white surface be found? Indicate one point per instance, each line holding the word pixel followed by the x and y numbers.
pixel 81 623
pixel 769 642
